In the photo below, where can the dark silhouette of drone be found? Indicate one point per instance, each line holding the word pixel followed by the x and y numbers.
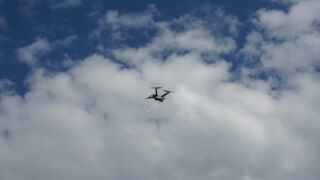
pixel 157 97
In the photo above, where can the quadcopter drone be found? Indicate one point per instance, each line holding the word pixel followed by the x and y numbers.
pixel 158 97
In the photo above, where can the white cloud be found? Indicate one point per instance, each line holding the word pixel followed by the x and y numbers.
pixel 182 34
pixel 132 20
pixel 6 85
pixel 252 47
pixel 298 21
pixel 30 54
pixel 287 41
pixel 93 121
pixel 197 40
pixel 299 53
pixel 69 40
pixel 119 22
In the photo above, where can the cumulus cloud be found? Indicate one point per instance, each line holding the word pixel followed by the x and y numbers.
pixel 298 21
pixel 30 54
pixel 92 121
pixel 182 34
pixel 287 41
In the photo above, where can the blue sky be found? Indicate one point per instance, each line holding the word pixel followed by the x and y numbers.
pixel 75 74
pixel 28 20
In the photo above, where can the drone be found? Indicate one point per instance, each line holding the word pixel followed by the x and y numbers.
pixel 157 97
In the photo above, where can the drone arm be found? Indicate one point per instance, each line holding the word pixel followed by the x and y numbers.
pixel 156 89
pixel 165 94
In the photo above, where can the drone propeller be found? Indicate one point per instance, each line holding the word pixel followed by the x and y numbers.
pixel 158 87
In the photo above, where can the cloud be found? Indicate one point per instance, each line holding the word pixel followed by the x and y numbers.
pixel 30 54
pixel 59 4
pixel 3 22
pixel 29 7
pixel 116 25
pixel 5 85
pixel 298 21
pixel 133 20
pixel 67 41
pixel 164 38
pixel 93 121
pixel 288 41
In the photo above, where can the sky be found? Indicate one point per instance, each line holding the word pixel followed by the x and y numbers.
pixel 75 74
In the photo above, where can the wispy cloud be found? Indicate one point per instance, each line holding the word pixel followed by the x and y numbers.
pixel 27 7
pixel 133 20
pixel 3 22
pixel 30 54
pixel 67 41
pixel 60 4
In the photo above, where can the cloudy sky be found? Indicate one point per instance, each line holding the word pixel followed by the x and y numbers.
pixel 74 75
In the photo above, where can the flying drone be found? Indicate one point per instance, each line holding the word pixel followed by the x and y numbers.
pixel 158 97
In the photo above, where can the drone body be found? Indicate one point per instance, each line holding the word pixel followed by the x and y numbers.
pixel 158 97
